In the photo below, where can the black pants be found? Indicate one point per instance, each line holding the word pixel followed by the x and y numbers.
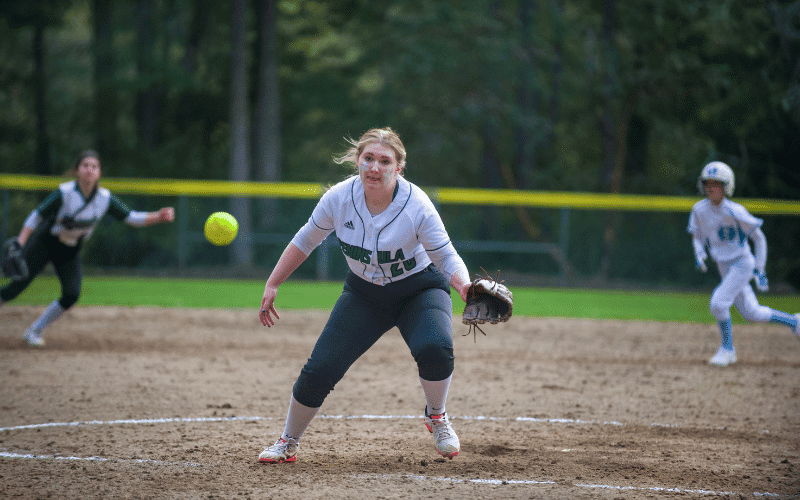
pixel 41 249
pixel 419 306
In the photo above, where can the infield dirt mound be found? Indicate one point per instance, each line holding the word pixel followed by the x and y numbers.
pixel 169 403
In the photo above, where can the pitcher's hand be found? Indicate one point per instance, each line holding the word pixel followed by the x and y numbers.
pixel 268 307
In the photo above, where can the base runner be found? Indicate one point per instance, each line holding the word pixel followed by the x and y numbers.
pixel 724 227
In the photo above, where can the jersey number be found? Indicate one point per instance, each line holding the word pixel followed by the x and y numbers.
pixel 731 233
pixel 408 264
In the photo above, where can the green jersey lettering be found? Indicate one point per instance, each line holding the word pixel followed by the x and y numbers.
pixel 384 256
pixel 355 252
pixel 396 270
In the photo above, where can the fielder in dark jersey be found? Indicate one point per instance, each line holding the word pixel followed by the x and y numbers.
pixel 402 265
pixel 54 232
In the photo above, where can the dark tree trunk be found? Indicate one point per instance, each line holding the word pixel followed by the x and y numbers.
pixel 240 131
pixel 106 108
pixel 611 135
pixel 526 140
pixel 148 99
pixel 267 120
pixel 42 157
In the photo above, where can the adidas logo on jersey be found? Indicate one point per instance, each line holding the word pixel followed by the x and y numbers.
pixel 349 225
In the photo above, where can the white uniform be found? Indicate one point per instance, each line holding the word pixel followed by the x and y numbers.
pixel 402 240
pixel 725 230
pixel 75 217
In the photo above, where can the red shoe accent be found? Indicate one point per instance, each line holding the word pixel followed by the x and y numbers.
pixel 436 417
pixel 270 461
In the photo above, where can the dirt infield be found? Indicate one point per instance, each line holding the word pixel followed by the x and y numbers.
pixel 165 403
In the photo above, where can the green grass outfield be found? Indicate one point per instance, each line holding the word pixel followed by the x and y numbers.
pixel 236 294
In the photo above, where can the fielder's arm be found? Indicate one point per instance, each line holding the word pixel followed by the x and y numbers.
pixel 143 219
pixel 166 214
pixel 290 260
pixel 460 285
pixel 24 235
pixel 29 226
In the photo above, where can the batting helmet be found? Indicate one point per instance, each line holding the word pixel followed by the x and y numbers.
pixel 716 171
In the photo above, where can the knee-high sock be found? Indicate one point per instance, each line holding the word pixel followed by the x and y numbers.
pixel 298 419
pixel 436 394
pixel 725 333
pixel 52 313
pixel 784 319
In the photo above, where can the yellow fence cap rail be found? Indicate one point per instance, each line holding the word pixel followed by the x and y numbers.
pixel 173 187
pixel 459 196
pixel 599 201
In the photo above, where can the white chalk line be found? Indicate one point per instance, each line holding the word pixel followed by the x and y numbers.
pixel 29 456
pixel 343 417
pixel 498 482
pixel 32 456
pixel 129 421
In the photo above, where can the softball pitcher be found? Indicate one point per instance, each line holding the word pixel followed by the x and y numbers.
pixel 402 264
pixel 55 232
pixel 724 227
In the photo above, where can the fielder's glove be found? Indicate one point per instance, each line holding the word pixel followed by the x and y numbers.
pixel 13 260
pixel 488 301
pixel 762 283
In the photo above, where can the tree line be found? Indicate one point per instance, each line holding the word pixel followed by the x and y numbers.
pixel 617 96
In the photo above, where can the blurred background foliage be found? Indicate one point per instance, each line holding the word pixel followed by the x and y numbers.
pixel 611 96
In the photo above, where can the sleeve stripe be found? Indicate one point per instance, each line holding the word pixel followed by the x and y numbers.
pixel 438 248
pixel 315 223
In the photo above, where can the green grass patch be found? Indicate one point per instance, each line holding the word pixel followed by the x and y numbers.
pixel 238 294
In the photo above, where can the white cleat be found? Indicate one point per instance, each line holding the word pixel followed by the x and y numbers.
pixel 34 338
pixel 723 357
pixel 282 451
pixel 444 437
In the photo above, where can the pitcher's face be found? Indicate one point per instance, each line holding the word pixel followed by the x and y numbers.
pixel 377 167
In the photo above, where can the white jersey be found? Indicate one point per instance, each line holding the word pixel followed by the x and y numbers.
pixel 400 241
pixel 73 217
pixel 724 229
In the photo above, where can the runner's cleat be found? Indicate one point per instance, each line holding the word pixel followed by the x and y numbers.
pixel 723 357
pixel 34 338
pixel 281 451
pixel 445 439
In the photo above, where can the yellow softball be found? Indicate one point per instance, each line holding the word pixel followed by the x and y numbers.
pixel 221 228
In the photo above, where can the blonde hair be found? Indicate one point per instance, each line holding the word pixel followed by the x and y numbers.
pixel 384 136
